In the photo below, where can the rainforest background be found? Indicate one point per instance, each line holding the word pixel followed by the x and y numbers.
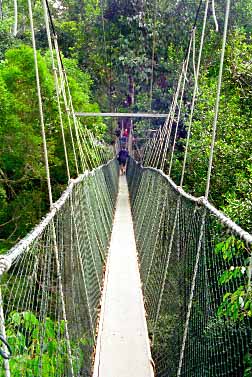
pixel 122 55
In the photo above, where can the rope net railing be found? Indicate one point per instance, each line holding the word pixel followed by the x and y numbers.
pixel 51 281
pixel 195 266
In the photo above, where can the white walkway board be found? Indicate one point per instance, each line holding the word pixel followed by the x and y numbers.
pixel 122 345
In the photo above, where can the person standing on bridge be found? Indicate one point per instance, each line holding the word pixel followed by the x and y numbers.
pixel 126 133
pixel 122 159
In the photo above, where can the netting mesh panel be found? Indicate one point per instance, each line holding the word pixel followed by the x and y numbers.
pixel 185 251
pixel 52 291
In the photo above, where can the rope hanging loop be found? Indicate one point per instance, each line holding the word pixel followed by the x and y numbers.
pixel 3 353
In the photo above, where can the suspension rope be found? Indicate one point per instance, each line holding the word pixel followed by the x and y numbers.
pixel 55 246
pixel 170 124
pixel 199 247
pixel 217 103
pixel 153 53
pixel 166 129
pixel 15 26
pixel 178 283
pixel 56 82
pixel 194 93
pixel 185 68
pixel 40 105
pixel 214 16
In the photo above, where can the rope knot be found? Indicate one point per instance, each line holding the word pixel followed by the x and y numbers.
pixel 201 200
pixel 5 264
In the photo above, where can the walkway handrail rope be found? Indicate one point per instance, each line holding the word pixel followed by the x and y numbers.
pixel 6 260
pixel 206 191
pixel 18 257
pixel 218 230
pixel 202 201
pixel 55 246
pixel 196 71
pixel 184 73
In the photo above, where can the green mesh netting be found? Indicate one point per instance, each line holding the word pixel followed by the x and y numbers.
pixel 52 291
pixel 180 241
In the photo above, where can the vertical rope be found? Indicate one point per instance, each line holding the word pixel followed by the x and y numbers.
pixel 185 68
pixel 59 105
pixel 194 93
pixel 55 247
pixel 189 309
pixel 167 262
pixel 57 86
pixel 153 54
pixel 15 18
pixel 217 104
pixel 80 149
pixel 206 192
pixel 214 16
pixel 3 332
pixel 40 105
pixel 173 111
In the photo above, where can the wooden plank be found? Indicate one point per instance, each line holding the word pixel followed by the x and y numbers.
pixel 123 348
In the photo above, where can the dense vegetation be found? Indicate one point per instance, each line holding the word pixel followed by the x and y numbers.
pixel 122 54
pixel 125 54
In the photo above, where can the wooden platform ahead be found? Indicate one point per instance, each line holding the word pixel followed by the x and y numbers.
pixel 123 348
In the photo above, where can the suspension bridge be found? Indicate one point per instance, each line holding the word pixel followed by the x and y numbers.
pixel 127 275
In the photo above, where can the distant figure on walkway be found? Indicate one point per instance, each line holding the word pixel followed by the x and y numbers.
pixel 126 132
pixel 122 159
pixel 123 141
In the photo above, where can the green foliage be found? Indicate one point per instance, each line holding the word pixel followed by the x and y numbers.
pixel 23 188
pixel 232 166
pixel 248 365
pixel 236 305
pixel 23 332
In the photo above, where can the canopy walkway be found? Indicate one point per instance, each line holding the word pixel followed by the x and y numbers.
pixel 52 283
pixel 123 346
pixel 111 284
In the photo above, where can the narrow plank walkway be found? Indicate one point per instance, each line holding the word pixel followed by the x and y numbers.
pixel 122 345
